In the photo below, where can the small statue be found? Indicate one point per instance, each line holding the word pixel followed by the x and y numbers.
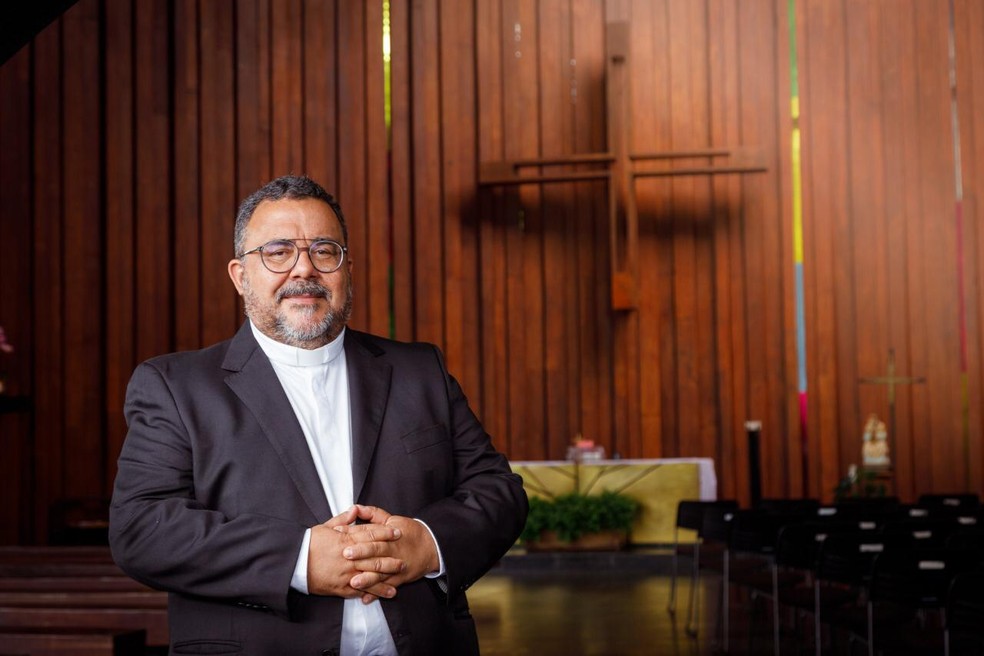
pixel 874 450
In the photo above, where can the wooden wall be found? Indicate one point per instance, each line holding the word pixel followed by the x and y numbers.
pixel 130 130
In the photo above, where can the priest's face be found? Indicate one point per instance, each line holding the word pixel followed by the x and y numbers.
pixel 302 306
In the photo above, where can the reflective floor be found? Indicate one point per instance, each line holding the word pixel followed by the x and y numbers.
pixel 616 605
pixel 601 612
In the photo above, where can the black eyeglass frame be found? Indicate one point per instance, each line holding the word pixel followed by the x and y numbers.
pixel 297 253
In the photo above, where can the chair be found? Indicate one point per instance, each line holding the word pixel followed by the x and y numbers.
pixel 924 532
pixel 797 548
pixel 963 631
pixel 950 503
pixel 690 516
pixel 716 529
pixel 843 570
pixel 966 538
pixel 905 584
pixel 751 547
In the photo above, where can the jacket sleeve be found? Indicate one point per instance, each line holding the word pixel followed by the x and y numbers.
pixel 486 511
pixel 161 535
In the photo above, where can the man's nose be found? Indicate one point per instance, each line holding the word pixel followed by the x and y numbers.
pixel 303 268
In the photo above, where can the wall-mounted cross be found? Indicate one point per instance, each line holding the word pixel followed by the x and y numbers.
pixel 892 380
pixel 620 168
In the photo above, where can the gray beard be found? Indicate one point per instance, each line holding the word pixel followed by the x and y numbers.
pixel 312 336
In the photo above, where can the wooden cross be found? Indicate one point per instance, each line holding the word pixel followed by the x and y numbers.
pixel 619 168
pixel 892 380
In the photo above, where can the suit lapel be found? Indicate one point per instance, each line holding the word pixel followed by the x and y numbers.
pixel 256 384
pixel 369 385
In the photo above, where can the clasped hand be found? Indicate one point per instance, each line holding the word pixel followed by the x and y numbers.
pixel 371 559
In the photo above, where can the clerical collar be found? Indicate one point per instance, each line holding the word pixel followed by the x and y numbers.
pixel 299 357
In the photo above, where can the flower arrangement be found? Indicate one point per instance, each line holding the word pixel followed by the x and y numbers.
pixel 859 484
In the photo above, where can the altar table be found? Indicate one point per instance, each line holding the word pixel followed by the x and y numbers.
pixel 657 484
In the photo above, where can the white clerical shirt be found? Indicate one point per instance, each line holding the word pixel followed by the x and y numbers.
pixel 316 383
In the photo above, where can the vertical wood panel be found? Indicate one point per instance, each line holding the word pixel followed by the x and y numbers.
pixel 726 216
pixel 524 277
pixel 401 199
pixel 187 191
pixel 253 98
pixel 493 257
pixel 969 22
pixel 428 261
pixel 939 246
pixel 120 241
pixel 83 325
pixel 155 313
pixel 558 237
pixel 286 69
pixel 218 162
pixel 320 120
pixel 595 341
pixel 377 273
pixel 48 267
pixel 458 173
pixel 825 197
pixel 649 42
pixel 867 250
pixel 15 296
pixel 352 184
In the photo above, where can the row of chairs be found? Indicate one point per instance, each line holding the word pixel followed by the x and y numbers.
pixel 857 565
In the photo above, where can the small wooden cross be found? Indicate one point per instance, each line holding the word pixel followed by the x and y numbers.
pixel 892 380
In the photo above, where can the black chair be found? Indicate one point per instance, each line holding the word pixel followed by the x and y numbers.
pixel 906 586
pixel 964 627
pixel 751 550
pixel 797 549
pixel 716 530
pixel 971 537
pixel 925 532
pixel 690 516
pixel 950 503
pixel 842 572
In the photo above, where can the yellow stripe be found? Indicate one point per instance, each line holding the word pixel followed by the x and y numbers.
pixel 797 199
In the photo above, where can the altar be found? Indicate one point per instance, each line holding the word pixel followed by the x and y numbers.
pixel 657 484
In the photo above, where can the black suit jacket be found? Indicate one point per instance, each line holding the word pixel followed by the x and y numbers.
pixel 216 487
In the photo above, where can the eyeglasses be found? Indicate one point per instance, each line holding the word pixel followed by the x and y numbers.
pixel 281 255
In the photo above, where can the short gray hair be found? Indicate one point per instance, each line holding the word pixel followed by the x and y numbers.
pixel 291 187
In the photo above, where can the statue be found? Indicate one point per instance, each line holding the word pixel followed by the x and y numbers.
pixel 874 449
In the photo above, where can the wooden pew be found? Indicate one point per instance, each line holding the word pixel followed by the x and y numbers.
pixel 151 620
pixel 71 584
pixel 62 588
pixel 59 569
pixel 10 555
pixel 83 599
pixel 72 643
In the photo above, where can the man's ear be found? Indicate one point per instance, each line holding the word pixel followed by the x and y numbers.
pixel 236 272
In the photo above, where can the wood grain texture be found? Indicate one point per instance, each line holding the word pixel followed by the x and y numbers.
pixel 132 129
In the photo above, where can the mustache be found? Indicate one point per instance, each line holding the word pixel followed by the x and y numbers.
pixel 306 287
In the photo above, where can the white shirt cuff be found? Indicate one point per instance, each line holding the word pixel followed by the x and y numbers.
pixel 299 580
pixel 437 547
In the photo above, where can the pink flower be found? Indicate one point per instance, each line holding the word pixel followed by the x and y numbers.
pixel 5 346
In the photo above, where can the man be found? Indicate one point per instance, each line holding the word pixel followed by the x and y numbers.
pixel 238 456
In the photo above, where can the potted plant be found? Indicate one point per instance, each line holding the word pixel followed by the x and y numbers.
pixel 579 522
